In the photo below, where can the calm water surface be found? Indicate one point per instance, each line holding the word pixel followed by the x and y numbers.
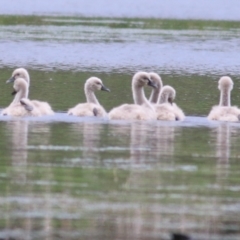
pixel 64 177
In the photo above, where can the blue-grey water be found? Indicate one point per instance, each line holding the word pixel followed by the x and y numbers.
pixel 66 177
pixel 89 48
pixel 172 9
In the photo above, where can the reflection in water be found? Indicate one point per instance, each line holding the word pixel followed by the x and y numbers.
pixel 164 141
pixel 40 134
pixel 140 149
pixel 118 181
pixel 223 143
pixel 223 146
pixel 150 145
pixel 224 135
pixel 89 139
pixel 19 131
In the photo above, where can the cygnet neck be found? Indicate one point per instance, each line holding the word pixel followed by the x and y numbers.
pixel 155 91
pixel 139 96
pixel 225 100
pixel 90 96
pixel 22 90
pixel 154 95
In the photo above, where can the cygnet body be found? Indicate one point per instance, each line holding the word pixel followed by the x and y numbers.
pixel 141 109
pixel 92 107
pixel 224 111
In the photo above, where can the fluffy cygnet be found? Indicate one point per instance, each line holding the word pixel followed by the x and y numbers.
pixel 224 111
pixel 166 109
pixel 141 109
pixel 92 107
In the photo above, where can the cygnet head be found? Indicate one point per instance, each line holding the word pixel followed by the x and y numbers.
pixel 20 89
pixel 225 84
pixel 94 84
pixel 141 79
pixel 19 84
pixel 156 79
pixel 167 94
pixel 19 73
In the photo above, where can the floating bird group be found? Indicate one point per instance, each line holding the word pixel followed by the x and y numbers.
pixel 21 105
pixel 159 106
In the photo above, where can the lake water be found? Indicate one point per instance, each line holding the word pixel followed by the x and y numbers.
pixel 66 177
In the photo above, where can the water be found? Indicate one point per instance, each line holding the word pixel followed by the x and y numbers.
pixel 172 9
pixel 84 179
pixel 64 177
pixel 139 44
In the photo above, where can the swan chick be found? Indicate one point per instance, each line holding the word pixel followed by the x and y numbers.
pixel 92 107
pixel 141 109
pixel 167 109
pixel 224 111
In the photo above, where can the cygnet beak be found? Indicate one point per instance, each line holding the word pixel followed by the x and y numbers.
pixel 151 84
pixel 170 100
pixel 14 92
pixel 103 88
pixel 12 79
